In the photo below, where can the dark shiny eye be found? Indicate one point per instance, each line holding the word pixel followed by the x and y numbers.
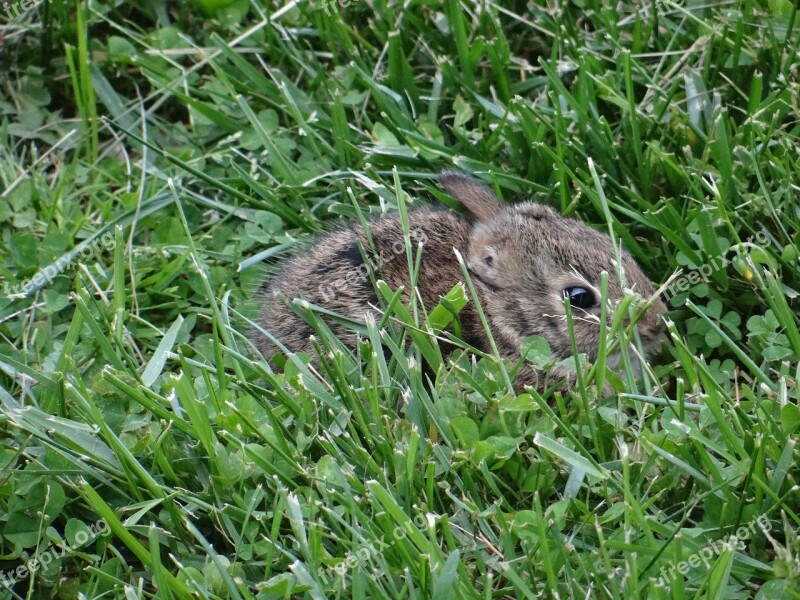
pixel 579 297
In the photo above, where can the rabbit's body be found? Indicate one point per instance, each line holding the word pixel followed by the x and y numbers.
pixel 522 258
pixel 332 274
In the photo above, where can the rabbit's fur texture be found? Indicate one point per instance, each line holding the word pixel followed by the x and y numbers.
pixel 520 257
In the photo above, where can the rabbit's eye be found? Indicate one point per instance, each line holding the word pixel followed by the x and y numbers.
pixel 579 297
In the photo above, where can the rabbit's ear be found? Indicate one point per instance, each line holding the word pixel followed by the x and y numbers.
pixel 484 260
pixel 479 199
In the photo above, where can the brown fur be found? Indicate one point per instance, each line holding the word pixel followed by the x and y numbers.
pixel 520 259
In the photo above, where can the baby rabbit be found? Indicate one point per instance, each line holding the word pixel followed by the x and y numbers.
pixel 523 259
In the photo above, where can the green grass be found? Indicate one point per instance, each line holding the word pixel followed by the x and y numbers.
pixel 200 148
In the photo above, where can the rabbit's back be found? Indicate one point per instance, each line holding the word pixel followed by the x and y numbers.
pixel 332 273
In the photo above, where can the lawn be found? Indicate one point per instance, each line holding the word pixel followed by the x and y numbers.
pixel 157 160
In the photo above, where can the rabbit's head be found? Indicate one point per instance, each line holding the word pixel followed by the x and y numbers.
pixel 525 258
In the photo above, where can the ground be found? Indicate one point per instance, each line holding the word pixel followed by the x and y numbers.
pixel 158 159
